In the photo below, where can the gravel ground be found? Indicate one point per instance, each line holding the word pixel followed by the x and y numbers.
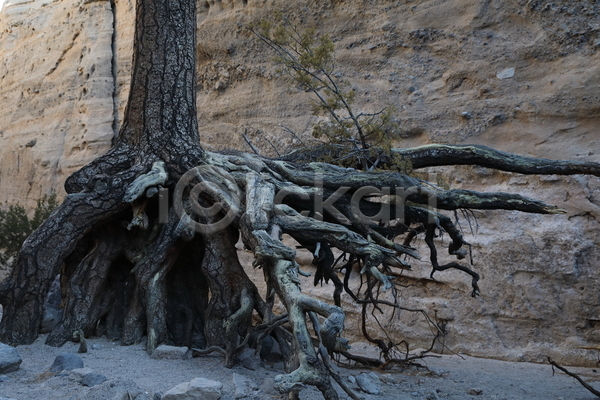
pixel 447 377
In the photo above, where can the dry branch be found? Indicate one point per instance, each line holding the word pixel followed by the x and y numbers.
pixel 577 377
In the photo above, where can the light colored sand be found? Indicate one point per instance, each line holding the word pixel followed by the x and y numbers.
pixel 450 377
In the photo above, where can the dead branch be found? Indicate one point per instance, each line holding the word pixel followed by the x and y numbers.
pixel 574 375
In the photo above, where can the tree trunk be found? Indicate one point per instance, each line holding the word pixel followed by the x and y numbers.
pixel 158 142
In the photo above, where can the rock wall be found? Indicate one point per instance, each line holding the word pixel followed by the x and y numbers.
pixel 521 76
pixel 56 91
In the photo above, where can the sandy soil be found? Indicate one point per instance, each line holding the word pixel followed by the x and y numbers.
pixel 447 377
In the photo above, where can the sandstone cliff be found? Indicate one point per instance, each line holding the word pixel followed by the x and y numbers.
pixel 521 76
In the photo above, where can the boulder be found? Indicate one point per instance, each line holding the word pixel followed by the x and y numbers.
pixel 369 383
pixel 165 352
pixel 249 359
pixel 243 386
pixel 197 389
pixel 66 362
pixel 79 373
pixel 93 379
pixel 10 360
pixel 118 389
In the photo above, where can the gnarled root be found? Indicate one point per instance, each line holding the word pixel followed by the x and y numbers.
pixel 233 295
pixel 311 370
pixel 281 271
pixel 87 288
pixel 178 279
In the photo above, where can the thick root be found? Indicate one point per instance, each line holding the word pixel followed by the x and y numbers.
pixel 83 304
pixel 433 155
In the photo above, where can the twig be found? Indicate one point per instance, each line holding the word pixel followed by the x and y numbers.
pixel 585 385
pixel 273 146
pixel 266 328
pixel 254 149
pixel 291 132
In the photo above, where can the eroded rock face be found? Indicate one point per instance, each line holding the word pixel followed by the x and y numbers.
pixel 56 90
pixel 515 75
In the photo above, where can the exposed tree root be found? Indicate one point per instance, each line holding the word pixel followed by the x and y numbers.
pixel 445 154
pixel 132 279
pixel 23 292
pixel 229 311
pixel 432 155
pixel 210 350
pixel 86 286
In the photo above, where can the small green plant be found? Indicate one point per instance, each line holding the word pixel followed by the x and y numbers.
pixel 307 58
pixel 16 226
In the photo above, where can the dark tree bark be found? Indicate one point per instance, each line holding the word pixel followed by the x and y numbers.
pixel 144 243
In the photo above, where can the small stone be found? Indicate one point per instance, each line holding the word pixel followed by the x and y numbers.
pixel 79 373
pixel 164 352
pixel 4 378
pixel 93 379
pixel 10 360
pixel 220 85
pixel 498 119
pixel 266 345
pixel 249 359
pixel 267 386
pixel 243 386
pixel 475 391
pixel 431 395
pixel 96 346
pixel 466 115
pixel 270 350
pixel 199 388
pixel 31 143
pixel 351 379
pixel 506 73
pixel 116 389
pixel 369 383
pixel 66 361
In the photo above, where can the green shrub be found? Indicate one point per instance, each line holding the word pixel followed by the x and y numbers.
pixel 16 226
pixel 307 58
